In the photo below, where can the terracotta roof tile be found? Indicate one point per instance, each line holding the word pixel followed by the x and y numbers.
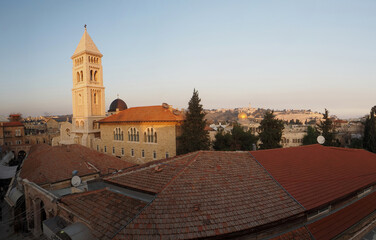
pixel 338 222
pixel 205 194
pixel 46 164
pixel 315 175
pixel 145 114
pixel 104 210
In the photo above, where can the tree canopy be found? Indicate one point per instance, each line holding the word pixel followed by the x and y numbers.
pixel 194 136
pixel 237 140
pixel 369 140
pixel 270 131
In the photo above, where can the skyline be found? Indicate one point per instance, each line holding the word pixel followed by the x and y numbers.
pixel 289 55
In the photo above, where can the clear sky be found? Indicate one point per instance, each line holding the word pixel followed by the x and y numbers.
pixel 270 54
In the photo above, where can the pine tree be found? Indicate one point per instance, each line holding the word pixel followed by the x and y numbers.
pixel 270 131
pixel 311 136
pixel 194 136
pixel 369 140
pixel 327 130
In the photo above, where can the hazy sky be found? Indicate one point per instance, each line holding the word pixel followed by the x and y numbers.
pixel 270 54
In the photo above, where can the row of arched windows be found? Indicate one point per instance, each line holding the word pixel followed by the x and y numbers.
pixel 78 61
pixel 118 134
pixel 150 135
pixel 133 135
pixel 93 59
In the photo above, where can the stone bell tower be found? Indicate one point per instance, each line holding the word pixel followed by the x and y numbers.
pixel 87 92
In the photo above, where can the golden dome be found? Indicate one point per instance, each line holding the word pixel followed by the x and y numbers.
pixel 242 115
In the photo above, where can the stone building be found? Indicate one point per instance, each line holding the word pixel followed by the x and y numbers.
pixel 138 134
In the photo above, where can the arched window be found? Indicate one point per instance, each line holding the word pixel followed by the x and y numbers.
pixel 95 98
pixel 82 124
pixel 133 135
pixel 88 58
pixel 78 77
pixel 79 98
pixel 82 76
pixel 91 75
pixel 118 134
pixel 77 124
pixel 95 76
pixel 150 135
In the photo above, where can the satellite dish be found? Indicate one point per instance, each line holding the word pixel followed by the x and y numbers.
pixel 76 181
pixel 321 139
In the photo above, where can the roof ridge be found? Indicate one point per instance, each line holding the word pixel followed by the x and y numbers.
pixel 181 171
pixel 148 165
pixel 271 176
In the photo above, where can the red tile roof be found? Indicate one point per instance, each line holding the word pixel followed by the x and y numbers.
pixel 338 222
pixel 145 114
pixel 12 124
pixel 315 175
pixel 104 210
pixel 206 194
pixel 298 234
pixel 46 164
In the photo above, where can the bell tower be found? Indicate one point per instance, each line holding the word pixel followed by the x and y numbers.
pixel 88 91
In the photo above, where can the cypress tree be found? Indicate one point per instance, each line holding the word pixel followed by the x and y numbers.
pixel 271 131
pixel 194 136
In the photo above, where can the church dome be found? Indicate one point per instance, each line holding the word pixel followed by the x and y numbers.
pixel 118 104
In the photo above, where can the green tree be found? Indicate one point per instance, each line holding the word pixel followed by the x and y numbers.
pixel 326 128
pixel 270 131
pixel 311 136
pixel 222 141
pixel 369 140
pixel 194 136
pixel 237 140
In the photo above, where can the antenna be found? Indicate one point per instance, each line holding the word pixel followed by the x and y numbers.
pixel 321 139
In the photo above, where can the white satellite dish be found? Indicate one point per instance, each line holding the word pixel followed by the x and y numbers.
pixel 76 181
pixel 321 139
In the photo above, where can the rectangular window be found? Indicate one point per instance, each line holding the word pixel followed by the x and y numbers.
pixel 97 147
pixel 105 149
pixel 143 153
pixel 132 152
pixel 113 150
pixel 122 151
pixel 154 155
pixel 167 155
